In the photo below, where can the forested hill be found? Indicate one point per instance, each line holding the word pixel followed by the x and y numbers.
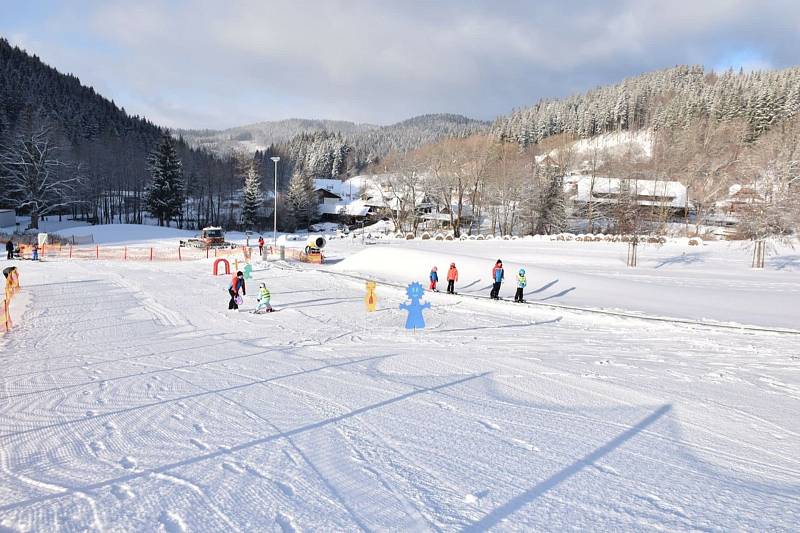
pixel 670 98
pixel 365 143
pixel 111 146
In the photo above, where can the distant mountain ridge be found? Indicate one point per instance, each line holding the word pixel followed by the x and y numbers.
pixel 369 141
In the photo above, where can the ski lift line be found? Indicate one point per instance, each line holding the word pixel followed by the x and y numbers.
pixel 620 314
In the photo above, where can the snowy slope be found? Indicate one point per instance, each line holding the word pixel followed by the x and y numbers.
pixel 709 283
pixel 131 399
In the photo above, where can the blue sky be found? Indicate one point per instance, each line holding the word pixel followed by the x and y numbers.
pixel 201 63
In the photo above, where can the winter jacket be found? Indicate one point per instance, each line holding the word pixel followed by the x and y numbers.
pixel 522 281
pixel 498 274
pixel 452 274
pixel 434 275
pixel 263 295
pixel 9 246
pixel 237 284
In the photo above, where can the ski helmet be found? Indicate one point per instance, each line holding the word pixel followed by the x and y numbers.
pixel 521 271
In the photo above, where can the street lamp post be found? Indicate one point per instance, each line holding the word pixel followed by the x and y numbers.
pixel 275 207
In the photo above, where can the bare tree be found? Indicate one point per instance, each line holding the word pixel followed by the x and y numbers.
pixel 34 179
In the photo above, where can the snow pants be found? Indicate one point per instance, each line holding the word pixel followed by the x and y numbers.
pixel 232 304
pixel 433 285
pixel 496 290
pixel 451 286
pixel 518 297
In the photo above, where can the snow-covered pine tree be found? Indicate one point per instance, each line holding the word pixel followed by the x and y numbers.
pixel 164 195
pixel 552 205
pixel 302 200
pixel 253 197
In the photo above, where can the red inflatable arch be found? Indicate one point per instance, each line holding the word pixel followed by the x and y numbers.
pixel 223 261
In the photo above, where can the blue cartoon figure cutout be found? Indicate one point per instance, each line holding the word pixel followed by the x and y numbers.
pixel 415 319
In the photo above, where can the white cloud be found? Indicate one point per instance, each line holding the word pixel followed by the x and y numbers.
pixel 207 63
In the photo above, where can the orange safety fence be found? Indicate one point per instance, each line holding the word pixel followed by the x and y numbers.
pixel 138 253
pixel 12 287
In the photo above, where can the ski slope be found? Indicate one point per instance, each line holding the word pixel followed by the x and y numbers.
pixel 131 399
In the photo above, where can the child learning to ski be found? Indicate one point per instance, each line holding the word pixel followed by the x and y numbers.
pixel 263 300
pixel 498 274
pixel 452 277
pixel 522 281
pixel 434 277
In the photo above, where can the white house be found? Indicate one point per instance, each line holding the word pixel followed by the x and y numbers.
pixel 648 193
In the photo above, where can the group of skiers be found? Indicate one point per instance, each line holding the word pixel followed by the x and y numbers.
pixel 15 251
pixel 452 277
pixel 498 276
pixel 237 284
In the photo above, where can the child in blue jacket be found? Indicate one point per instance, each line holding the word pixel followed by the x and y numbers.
pixel 434 278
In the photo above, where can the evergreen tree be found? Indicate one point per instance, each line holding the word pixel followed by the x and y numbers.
pixel 164 195
pixel 552 205
pixel 302 200
pixel 253 197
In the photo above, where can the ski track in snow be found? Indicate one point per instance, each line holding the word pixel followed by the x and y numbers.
pixel 131 399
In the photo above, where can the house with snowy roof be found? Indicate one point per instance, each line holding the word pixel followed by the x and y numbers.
pixel 663 194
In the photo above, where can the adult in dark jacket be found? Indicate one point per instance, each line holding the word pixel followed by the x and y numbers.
pixel 237 284
pixel 10 249
pixel 498 274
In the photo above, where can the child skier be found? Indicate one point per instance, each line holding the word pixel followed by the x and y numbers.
pixel 434 277
pixel 237 284
pixel 498 274
pixel 452 277
pixel 263 300
pixel 522 281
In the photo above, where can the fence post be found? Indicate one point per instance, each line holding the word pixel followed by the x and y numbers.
pixel 125 257
pixel 206 252
pixel 97 250
pixel 70 251
pixel 151 254
pixel 179 254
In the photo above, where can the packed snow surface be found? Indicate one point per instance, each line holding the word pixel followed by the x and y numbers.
pixel 131 399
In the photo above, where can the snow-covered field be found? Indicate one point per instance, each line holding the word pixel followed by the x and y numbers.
pixel 132 400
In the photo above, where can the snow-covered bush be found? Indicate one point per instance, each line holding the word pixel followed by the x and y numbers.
pixel 426 236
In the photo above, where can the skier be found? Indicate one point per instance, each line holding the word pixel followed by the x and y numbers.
pixel 263 300
pixel 10 249
pixel 434 278
pixel 452 277
pixel 498 274
pixel 522 282
pixel 237 283
pixel 261 245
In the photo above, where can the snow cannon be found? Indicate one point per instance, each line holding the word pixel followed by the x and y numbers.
pixel 313 250
pixel 316 242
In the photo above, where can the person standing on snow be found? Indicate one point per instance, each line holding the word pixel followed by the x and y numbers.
pixel 434 278
pixel 261 245
pixel 452 277
pixel 263 299
pixel 236 285
pixel 522 282
pixel 10 249
pixel 498 274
